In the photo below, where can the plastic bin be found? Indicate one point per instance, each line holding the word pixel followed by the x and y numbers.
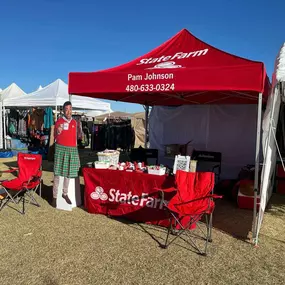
pixel 112 156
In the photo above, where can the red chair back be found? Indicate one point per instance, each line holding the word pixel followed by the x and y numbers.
pixel 192 186
pixel 29 166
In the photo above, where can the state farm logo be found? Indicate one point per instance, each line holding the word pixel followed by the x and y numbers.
pixel 99 194
pixel 168 64
pixel 126 198
pixel 166 61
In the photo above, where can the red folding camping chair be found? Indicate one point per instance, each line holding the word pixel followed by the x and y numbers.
pixel 27 182
pixel 193 200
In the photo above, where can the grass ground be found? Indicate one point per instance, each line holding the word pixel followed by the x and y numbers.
pixel 48 246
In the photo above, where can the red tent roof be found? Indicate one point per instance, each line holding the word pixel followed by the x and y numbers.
pixel 183 70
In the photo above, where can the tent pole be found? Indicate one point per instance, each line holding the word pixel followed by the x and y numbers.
pixel 146 125
pixel 4 124
pixel 1 126
pixel 256 173
pixel 70 98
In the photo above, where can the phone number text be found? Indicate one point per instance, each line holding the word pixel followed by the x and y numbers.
pixel 150 87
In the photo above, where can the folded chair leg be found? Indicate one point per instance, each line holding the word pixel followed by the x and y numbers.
pixel 210 227
pixel 209 231
pixel 32 198
pixel 16 199
pixel 2 203
pixel 183 230
pixel 207 235
pixel 6 200
pixel 190 241
pixel 23 211
pixel 166 241
pixel 165 245
pixel 40 189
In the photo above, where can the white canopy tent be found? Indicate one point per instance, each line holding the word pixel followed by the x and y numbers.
pixel 52 95
pixel 12 92
pixel 269 142
pixel 55 94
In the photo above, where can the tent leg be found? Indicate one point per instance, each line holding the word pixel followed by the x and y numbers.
pixel 4 124
pixel 146 125
pixel 1 125
pixel 70 98
pixel 256 174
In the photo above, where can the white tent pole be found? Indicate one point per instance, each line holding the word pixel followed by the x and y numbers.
pixel 267 161
pixel 4 124
pixel 146 125
pixel 1 125
pixel 70 98
pixel 256 174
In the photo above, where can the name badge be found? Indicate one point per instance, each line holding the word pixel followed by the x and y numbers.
pixel 65 126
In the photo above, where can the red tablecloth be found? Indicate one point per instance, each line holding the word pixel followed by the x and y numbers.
pixel 128 194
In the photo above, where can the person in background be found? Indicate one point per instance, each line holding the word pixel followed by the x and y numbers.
pixel 66 158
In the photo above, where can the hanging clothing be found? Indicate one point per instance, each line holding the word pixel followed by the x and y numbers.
pixel 79 126
pixel 13 119
pixel 98 137
pixel 48 118
pixel 22 125
pixel 113 134
pixel 38 116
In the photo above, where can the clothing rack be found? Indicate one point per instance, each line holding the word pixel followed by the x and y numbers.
pixel 113 133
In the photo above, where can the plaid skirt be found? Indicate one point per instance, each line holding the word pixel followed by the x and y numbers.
pixel 66 161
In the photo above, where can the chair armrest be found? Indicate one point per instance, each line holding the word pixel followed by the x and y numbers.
pixel 10 170
pixel 167 190
pixel 213 196
pixel 38 176
pixel 161 192
pixel 33 178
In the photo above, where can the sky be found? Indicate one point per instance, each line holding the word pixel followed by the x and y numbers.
pixel 43 40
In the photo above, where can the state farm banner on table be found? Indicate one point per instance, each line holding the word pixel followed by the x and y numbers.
pixel 120 193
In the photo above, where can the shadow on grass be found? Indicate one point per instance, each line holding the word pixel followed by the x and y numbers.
pixel 156 233
pixel 230 219
pixel 276 205
pixel 227 218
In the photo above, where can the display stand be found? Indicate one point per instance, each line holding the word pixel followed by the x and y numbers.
pixel 74 194
pixel 181 163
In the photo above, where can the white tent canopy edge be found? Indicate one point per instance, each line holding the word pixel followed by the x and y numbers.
pixel 55 94
pixel 52 95
pixel 269 142
pixel 13 91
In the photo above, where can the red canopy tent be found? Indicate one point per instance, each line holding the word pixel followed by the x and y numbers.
pixel 183 70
